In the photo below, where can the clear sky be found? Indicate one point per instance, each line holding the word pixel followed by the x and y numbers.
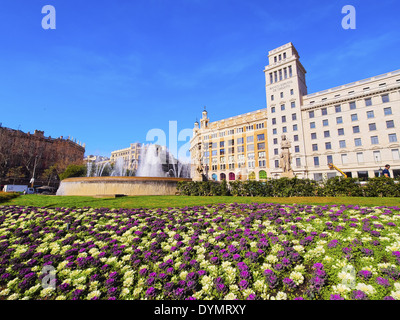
pixel 113 70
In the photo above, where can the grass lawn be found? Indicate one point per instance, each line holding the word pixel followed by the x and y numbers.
pixel 182 201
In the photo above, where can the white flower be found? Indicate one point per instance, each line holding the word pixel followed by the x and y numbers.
pixel 297 277
pixel 124 292
pixel 395 295
pixel 280 296
pixel 298 248
pixel 341 289
pixel 367 289
pixel 47 292
pixel 61 297
pixel 4 292
pixel 230 296
pixel 272 258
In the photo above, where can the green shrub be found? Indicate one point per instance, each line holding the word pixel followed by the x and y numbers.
pixel 5 196
pixel 73 170
pixel 381 187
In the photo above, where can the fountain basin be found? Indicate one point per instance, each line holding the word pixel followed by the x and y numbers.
pixel 129 186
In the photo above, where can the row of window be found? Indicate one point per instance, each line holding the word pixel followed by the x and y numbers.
pixel 344 158
pixel 283 107
pixel 281 95
pixel 250 165
pixel 280 74
pixel 352 105
pixel 229 132
pixel 249 139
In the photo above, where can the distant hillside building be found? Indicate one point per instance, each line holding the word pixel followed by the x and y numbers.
pixel 24 154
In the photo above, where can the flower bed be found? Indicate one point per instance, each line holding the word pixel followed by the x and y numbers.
pixel 257 251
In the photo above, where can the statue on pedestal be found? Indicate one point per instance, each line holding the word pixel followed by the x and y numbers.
pixel 199 169
pixel 285 158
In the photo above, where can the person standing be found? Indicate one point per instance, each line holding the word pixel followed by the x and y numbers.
pixel 385 172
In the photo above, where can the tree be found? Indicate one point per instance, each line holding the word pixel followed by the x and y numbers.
pixel 73 170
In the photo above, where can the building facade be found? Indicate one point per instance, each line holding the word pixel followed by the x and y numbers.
pixel 26 155
pixel 233 148
pixel 129 156
pixel 354 126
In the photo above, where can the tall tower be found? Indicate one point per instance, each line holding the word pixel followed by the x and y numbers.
pixel 204 120
pixel 285 87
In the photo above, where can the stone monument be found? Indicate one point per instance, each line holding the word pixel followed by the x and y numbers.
pixel 285 158
pixel 199 168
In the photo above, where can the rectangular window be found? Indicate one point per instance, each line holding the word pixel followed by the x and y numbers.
pixel 342 144
pixel 338 108
pixel 315 147
pixel 318 176
pixel 250 139
pixel 316 161
pixel 285 73
pixel 324 111
pixel 312 125
pixel 271 78
pixel 290 71
pixel 250 147
pixel 261 154
pixel 293 104
pixel 284 129
pixel 325 122
pixel 352 105
pixel 282 107
pixel 313 136
pixel 341 132
pixel 360 157
pixel 392 137
pixel 222 151
pixel 368 102
pixel 372 126
pixel 296 149
pixel 329 159
pixel 311 114
pixel 295 137
pixel 328 145
pixel 377 156
pixel 374 140
pixel 390 124
pixel 298 162
pixel 295 127
pixel 339 120
pixel 261 146
pixel 240 149
pixel 275 140
pixel 294 116
pixel 370 114
pixel 387 111
pixel 276 151
pixel 221 144
pixel 281 94
pixel 354 117
pixel 357 142
pixel 260 137
pixel 395 154
pixel 276 163
pixel 291 92
pixel 240 140
pixel 344 158
pixel 283 119
pixel 385 98
pixel 356 129
pixel 274 131
pixel 272 97
pixel 327 134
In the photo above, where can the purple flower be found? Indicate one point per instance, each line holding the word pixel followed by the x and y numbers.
pixel 252 297
pixel 245 274
pixel 151 292
pixel 383 282
pixel 359 295
pixel 289 283
pixel 298 298
pixel 243 284
pixel 336 297
pixel 365 274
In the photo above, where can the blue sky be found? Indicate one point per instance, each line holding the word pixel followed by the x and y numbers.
pixel 113 70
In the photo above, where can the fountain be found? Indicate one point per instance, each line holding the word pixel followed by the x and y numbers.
pixel 158 174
